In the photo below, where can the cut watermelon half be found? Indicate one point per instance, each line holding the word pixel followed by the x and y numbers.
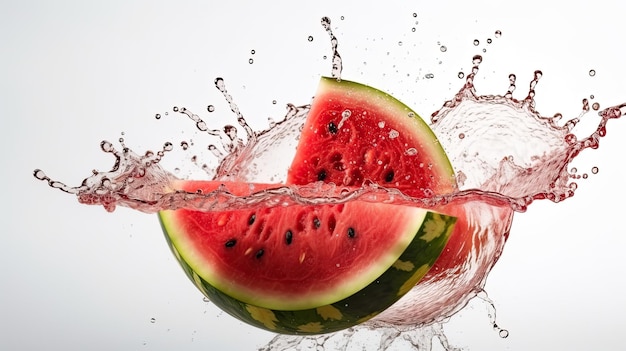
pixel 301 268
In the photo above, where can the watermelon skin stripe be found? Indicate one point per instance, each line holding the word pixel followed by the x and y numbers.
pixel 408 270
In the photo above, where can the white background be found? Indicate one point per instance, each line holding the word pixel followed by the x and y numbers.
pixel 73 73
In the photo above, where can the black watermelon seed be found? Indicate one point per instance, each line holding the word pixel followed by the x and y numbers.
pixel 321 175
pixel 288 237
pixel 316 222
pixel 259 253
pixel 351 232
pixel 251 219
pixel 389 176
pixel 332 128
pixel 230 243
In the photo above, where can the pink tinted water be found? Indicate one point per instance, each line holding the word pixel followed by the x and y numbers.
pixel 506 155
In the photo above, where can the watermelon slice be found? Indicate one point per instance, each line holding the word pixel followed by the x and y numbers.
pixel 355 133
pixel 304 269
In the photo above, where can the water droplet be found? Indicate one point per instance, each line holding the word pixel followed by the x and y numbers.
pixel 443 48
pixel 324 57
pixel 595 106
pixel 310 38
pixel 411 114
pixel 461 135
pixel 429 76
pixel 342 18
pixel 594 170
pixel 414 14
pixel 498 34
pixel 413 29
pixel 346 113
pixel 250 61
pixel 476 42
pixel 210 108
pixel 393 134
pixel 175 109
pixel 592 72
pixel 381 124
pixel 252 52
pixel 206 299
pixel 157 116
pixel 411 151
pixel 400 43
pixel 488 40
pixel 184 145
pixel 461 75
pixel 153 320
pixel 503 333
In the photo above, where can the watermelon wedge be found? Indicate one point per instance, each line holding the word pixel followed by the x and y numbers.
pixel 304 269
pixel 354 133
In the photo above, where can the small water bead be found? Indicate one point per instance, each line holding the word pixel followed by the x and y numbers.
pixel 443 48
pixel 157 116
pixel 476 42
pixel 413 29
pixel 594 170
pixel 310 38
pixel 488 40
pixel 461 135
pixel 411 151
pixel 184 145
pixel 381 124
pixel 414 14
pixel 400 43
pixel 393 134
pixel 153 320
pixel 498 34
pixel 175 109
pixel 592 72
pixel 503 333
pixel 595 106
pixel 252 52
pixel 429 76
pixel 342 18
pixel 250 61
pixel 461 75
pixel 210 108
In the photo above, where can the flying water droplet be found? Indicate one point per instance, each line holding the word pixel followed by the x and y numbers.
pixel 476 42
pixel 210 108
pixel 310 38
pixel 592 72
pixel 443 48
pixel 498 34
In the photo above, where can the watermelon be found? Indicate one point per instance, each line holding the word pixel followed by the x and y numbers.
pixel 304 269
pixel 356 134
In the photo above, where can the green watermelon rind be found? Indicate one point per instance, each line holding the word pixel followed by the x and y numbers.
pixel 410 120
pixel 428 243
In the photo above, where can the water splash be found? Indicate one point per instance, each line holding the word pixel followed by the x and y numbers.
pixel 529 162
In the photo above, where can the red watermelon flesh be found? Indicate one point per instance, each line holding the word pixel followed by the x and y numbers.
pixel 354 133
pixel 381 140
